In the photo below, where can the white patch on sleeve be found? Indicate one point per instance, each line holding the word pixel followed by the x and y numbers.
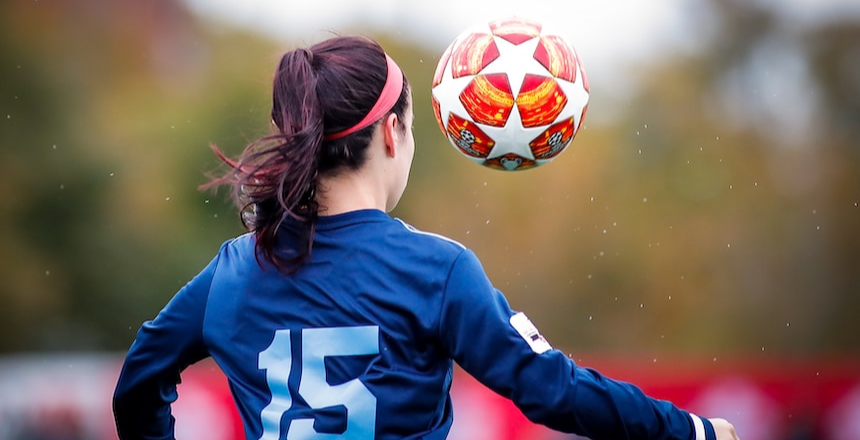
pixel 530 333
pixel 698 426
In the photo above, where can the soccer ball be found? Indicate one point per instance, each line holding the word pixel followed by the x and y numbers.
pixel 509 94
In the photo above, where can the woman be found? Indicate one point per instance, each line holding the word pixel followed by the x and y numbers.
pixel 332 320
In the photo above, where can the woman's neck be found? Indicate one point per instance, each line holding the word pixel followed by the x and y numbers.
pixel 349 191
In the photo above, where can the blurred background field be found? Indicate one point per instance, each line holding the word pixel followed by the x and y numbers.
pixel 704 223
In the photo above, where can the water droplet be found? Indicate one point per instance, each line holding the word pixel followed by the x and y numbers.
pixel 590 317
pixel 715 359
pixel 655 360
pixel 111 174
pixel 54 146
pixel 787 324
pixel 644 199
pixel 62 186
pixel 167 199
pixel 641 305
pixel 47 273
pixel 670 297
pixel 206 201
pixel 589 276
pixel 487 222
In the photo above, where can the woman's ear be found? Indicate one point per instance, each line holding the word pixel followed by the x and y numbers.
pixel 389 134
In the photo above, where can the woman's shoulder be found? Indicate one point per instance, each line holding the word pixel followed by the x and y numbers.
pixel 238 246
pixel 239 241
pixel 430 238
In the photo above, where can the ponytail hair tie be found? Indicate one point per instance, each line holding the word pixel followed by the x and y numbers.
pixel 387 98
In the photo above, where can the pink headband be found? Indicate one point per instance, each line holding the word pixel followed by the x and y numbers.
pixel 387 98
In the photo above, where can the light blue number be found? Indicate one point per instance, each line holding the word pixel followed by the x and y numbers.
pixel 277 361
pixel 317 344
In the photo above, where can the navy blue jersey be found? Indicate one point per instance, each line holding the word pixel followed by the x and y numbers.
pixel 360 344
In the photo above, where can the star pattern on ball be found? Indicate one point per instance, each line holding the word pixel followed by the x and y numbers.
pixel 516 61
pixel 510 140
pixel 450 86
pixel 577 96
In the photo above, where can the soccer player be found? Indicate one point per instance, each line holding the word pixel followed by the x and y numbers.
pixel 332 320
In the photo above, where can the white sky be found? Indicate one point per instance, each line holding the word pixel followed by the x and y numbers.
pixel 605 33
pixel 600 30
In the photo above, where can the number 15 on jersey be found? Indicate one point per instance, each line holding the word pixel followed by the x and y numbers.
pixel 353 395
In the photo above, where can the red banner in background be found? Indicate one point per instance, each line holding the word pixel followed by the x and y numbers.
pixel 68 397
pixel 776 398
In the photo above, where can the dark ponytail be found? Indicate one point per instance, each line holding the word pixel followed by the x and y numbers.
pixel 318 90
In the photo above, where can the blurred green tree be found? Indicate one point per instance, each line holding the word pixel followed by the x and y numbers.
pixel 716 211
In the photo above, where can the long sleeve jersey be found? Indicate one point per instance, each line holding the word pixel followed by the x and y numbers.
pixel 360 342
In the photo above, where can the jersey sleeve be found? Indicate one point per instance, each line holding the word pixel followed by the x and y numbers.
pixel 163 348
pixel 504 351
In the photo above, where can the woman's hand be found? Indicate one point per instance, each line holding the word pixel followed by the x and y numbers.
pixel 724 429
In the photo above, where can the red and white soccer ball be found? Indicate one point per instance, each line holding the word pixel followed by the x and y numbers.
pixel 510 94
